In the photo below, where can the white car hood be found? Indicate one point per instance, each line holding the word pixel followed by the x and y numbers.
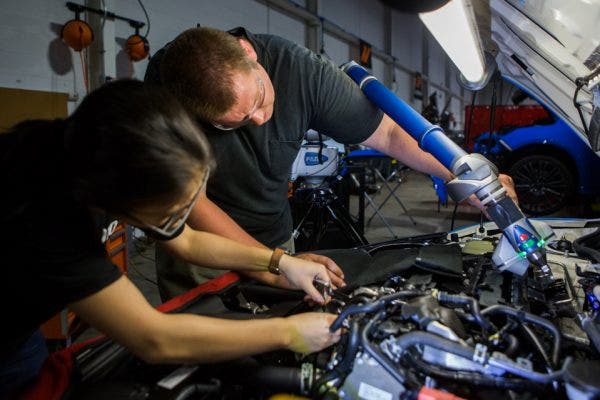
pixel 543 46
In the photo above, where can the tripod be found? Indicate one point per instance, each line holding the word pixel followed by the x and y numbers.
pixel 324 206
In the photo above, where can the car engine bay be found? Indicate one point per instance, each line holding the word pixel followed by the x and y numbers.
pixel 426 317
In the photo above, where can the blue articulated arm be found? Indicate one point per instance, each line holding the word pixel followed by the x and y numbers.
pixel 522 242
pixel 431 138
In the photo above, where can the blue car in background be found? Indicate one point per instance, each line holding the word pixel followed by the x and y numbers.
pixel 549 163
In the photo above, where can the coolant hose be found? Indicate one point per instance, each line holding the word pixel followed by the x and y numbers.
pixel 454 299
pixel 534 319
pixel 373 352
pixel 497 359
pixel 377 305
pixel 351 348
pixel 591 328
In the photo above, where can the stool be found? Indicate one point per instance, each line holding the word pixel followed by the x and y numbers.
pixel 373 160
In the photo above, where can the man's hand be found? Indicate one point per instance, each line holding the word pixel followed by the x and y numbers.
pixel 509 186
pixel 301 273
pixel 335 273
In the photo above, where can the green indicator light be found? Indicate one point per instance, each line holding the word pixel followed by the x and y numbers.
pixel 541 242
pixel 522 254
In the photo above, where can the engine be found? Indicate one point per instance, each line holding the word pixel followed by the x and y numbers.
pixel 426 317
pixel 456 326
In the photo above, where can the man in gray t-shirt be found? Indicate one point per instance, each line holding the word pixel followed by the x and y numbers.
pixel 257 95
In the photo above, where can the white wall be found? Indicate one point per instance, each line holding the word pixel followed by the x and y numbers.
pixel 33 57
pixel 337 50
pixel 362 18
pixel 169 18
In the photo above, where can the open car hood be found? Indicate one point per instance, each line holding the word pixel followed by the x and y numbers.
pixel 544 47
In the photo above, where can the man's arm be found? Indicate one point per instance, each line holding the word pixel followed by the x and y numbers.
pixel 391 139
pixel 207 216
pixel 212 251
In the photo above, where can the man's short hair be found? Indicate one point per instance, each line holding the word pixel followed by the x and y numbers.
pixel 198 67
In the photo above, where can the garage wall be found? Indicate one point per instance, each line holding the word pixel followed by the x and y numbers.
pixel 32 56
pixel 337 50
pixel 362 18
pixel 168 19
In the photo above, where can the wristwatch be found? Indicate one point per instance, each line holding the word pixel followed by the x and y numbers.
pixel 275 258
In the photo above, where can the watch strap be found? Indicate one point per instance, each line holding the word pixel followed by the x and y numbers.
pixel 275 259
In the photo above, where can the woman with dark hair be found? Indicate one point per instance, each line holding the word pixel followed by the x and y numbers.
pixel 128 152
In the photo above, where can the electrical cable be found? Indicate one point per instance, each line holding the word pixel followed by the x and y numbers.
pixel 580 83
pixel 537 344
pixel 83 59
pixel 488 148
pixel 147 18
pixel 453 216
pixel 468 133
pixel 103 6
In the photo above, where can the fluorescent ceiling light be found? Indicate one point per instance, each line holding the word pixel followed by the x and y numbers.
pixel 453 26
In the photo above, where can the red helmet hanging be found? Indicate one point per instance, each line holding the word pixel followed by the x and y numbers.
pixel 137 47
pixel 77 34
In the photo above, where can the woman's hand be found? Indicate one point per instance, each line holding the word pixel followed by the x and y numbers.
pixel 301 273
pixel 309 332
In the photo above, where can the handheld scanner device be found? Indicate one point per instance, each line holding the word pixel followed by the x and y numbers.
pixel 522 240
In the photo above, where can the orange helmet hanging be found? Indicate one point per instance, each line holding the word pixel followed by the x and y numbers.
pixel 137 47
pixel 77 34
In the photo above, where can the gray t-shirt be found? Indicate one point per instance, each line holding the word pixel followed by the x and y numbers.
pixel 254 162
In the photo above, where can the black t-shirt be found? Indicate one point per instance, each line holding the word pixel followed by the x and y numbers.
pixel 254 162
pixel 50 248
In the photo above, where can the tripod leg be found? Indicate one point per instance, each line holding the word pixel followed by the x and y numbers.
pixel 344 222
pixel 380 215
pixel 296 231
pixel 392 193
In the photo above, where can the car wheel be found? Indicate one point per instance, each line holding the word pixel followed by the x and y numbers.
pixel 543 183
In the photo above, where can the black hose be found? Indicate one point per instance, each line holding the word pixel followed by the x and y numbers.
pixel 427 339
pixel 371 307
pixel 459 300
pixel 537 344
pixel 249 371
pixel 339 373
pixel 345 366
pixel 513 345
pixel 579 245
pixel 196 389
pixel 534 319
pixel 287 379
pixel 373 352
pixel 590 327
pixel 471 378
